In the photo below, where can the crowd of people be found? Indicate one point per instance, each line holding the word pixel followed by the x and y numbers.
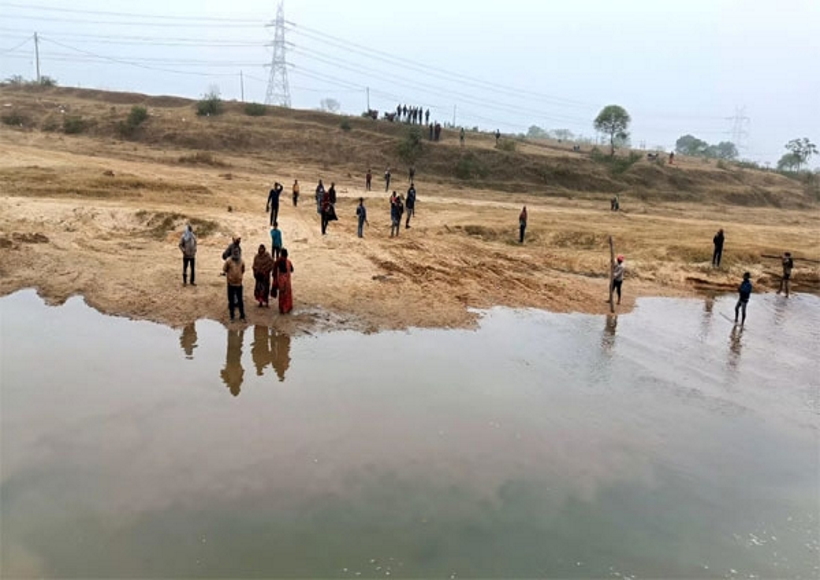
pixel 272 270
pixel 412 115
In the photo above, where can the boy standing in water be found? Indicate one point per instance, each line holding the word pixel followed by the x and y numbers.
pixel 744 291
pixel 788 264
pixel 618 271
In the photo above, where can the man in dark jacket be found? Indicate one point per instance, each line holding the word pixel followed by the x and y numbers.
pixel 718 253
pixel 411 204
pixel 273 202
pixel 744 291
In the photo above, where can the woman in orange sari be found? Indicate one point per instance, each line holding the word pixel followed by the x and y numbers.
pixel 281 272
pixel 262 266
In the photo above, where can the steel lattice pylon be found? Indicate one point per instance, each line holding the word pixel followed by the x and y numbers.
pixel 278 92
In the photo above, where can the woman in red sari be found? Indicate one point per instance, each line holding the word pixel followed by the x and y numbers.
pixel 281 272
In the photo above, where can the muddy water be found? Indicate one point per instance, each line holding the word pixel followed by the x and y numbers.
pixel 661 444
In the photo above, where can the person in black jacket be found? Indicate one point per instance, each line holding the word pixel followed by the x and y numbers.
pixel 718 253
pixel 744 292
pixel 273 202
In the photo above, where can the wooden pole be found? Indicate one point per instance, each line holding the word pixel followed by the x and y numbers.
pixel 611 273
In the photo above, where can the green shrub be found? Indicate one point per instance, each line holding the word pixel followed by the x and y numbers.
pixel 73 125
pixel 345 125
pixel 470 166
pixel 411 148
pixel 210 105
pixel 137 116
pixel 506 145
pixel 15 120
pixel 617 165
pixel 255 110
pixel 46 81
pixel 721 164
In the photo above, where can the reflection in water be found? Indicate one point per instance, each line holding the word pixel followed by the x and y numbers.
pixel 280 344
pixel 706 319
pixel 187 340
pixel 780 304
pixel 233 373
pixel 608 338
pixel 735 345
pixel 270 348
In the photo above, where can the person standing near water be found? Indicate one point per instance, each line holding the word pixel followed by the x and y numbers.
pixel 262 268
pixel 187 244
pixel 618 271
pixel 744 292
pixel 522 224
pixel 788 264
pixel 282 271
pixel 361 214
pixel 234 269
pixel 718 253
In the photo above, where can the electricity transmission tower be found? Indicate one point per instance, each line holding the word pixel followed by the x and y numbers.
pixel 740 124
pixel 278 92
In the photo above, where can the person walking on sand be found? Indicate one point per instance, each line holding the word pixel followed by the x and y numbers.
pixel 744 291
pixel 295 192
pixel 332 193
pixel 718 253
pixel 522 224
pixel 788 264
pixel 273 202
pixel 262 268
pixel 368 180
pixel 234 269
pixel 396 211
pixel 187 244
pixel 411 204
pixel 282 271
pixel 361 215
pixel 387 179
pixel 320 192
pixel 275 240
pixel 618 271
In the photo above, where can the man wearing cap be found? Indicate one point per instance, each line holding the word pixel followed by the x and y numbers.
pixel 618 276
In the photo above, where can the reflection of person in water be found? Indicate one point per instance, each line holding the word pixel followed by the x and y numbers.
pixel 608 338
pixel 187 340
pixel 233 373
pixel 735 345
pixel 260 349
pixel 280 352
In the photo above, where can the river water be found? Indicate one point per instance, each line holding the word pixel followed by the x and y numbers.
pixel 664 443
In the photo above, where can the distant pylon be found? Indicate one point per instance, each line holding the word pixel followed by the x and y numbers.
pixel 740 124
pixel 278 92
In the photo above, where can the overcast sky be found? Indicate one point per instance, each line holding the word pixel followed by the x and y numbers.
pixel 677 67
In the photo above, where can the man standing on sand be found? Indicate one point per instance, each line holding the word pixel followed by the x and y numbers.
pixel 396 211
pixel 411 204
pixel 522 224
pixel 320 194
pixel 361 214
pixel 234 269
pixel 788 264
pixel 744 291
pixel 368 179
pixel 187 244
pixel 618 271
pixel 273 202
pixel 387 179
pixel 497 136
pixel 295 192
pixel 276 241
pixel 718 253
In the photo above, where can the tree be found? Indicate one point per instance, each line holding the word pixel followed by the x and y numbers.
pixel 691 145
pixel 563 134
pixel 802 150
pixel 330 105
pixel 613 120
pixel 725 150
pixel 536 132
pixel 788 162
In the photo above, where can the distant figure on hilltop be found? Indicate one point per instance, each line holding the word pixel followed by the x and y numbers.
pixel 387 179
pixel 295 192
pixel 368 180
pixel 427 116
pixel 411 172
pixel 718 253
pixel 497 136
pixel 461 136
pixel 671 157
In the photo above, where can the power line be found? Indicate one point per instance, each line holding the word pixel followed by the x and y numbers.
pixel 123 14
pixel 146 39
pixel 22 44
pixel 148 24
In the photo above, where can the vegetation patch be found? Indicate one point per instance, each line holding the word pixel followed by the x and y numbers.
pixel 15 119
pixel 255 110
pixel 202 158
pixel 159 224
pixel 73 125
pixel 135 118
pixel 469 166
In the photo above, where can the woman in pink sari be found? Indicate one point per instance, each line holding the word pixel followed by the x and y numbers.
pixel 281 272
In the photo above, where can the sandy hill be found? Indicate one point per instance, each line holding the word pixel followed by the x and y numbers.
pixel 352 144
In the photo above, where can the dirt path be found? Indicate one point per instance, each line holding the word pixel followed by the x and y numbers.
pixel 70 227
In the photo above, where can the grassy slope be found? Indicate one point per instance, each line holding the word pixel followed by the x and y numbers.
pixel 311 137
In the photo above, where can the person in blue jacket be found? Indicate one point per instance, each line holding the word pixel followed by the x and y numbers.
pixel 744 291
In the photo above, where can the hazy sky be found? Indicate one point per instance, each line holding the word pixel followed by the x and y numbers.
pixel 677 67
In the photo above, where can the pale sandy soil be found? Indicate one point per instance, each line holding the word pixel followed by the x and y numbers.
pixel 67 228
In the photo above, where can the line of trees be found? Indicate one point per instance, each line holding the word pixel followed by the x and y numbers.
pixel 692 146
